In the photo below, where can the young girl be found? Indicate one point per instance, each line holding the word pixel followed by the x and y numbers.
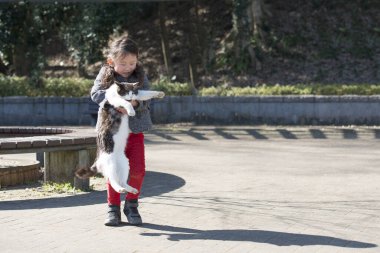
pixel 122 65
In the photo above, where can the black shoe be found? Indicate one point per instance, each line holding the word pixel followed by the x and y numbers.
pixel 114 216
pixel 130 210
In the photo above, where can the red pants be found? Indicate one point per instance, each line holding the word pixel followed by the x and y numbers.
pixel 135 154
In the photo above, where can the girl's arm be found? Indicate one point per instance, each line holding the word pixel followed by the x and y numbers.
pixel 97 93
pixel 144 104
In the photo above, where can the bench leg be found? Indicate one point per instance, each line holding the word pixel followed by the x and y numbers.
pixel 60 166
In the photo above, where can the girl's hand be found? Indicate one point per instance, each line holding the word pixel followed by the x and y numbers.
pixel 135 103
pixel 122 110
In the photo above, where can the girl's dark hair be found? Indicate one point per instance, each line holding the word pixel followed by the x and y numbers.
pixel 120 48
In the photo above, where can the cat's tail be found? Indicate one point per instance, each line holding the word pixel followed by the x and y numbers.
pixel 85 172
pixel 118 188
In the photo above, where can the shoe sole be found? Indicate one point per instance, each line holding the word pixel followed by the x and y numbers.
pixel 109 224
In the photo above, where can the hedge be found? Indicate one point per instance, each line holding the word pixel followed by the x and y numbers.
pixel 297 89
pixel 77 87
pixel 66 87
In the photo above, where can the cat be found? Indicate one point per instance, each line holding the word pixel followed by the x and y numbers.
pixel 113 131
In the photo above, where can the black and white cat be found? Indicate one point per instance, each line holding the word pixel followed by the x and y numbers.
pixel 113 131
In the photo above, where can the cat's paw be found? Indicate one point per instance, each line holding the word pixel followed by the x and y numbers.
pixel 131 190
pixel 161 94
pixel 131 113
pixel 134 191
pixel 123 190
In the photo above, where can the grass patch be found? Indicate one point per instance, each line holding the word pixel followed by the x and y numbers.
pixel 60 188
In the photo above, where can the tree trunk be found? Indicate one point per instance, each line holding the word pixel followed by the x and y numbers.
pixel 202 39
pixel 82 71
pixel 164 39
pixel 247 22
pixel 186 49
pixel 192 46
pixel 3 67
pixel 21 62
pixel 81 68
pixel 255 13
pixel 22 51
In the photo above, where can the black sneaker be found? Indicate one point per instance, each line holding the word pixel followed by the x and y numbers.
pixel 114 216
pixel 130 210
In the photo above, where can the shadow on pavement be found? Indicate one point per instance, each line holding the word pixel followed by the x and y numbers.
pixel 349 134
pixel 286 134
pixel 255 133
pixel 231 133
pixel 224 134
pixel 258 236
pixel 317 134
pixel 195 135
pixel 155 183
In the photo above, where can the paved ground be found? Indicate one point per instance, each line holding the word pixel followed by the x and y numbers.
pixel 225 189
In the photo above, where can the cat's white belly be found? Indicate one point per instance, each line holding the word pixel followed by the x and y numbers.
pixel 115 165
pixel 120 139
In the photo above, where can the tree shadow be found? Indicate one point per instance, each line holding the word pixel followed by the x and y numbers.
pixel 165 136
pixel 257 236
pixel 196 135
pixel 317 134
pixel 224 134
pixel 377 133
pixel 286 134
pixel 255 133
pixel 155 184
pixel 349 134
pixel 263 133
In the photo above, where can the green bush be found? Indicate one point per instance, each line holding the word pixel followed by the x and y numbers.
pixel 13 86
pixel 172 88
pixel 345 89
pixel 67 87
pixel 77 87
pixel 296 89
pixel 258 90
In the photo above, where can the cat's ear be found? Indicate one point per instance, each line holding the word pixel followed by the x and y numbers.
pixel 130 86
pixel 135 84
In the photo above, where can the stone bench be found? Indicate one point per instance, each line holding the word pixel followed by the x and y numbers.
pixel 64 150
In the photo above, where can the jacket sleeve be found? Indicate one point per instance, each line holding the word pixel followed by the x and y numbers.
pixel 144 105
pixel 97 93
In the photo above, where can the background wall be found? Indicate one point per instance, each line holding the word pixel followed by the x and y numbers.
pixel 203 110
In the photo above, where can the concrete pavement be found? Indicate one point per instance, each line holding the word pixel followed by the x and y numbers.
pixel 225 189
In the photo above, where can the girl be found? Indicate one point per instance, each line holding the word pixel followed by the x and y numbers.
pixel 122 65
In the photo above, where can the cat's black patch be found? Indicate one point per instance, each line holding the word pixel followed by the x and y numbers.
pixel 110 120
pixel 121 90
pixel 106 142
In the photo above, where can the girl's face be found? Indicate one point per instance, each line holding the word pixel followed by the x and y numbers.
pixel 125 65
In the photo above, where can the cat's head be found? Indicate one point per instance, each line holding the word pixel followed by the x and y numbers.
pixel 125 87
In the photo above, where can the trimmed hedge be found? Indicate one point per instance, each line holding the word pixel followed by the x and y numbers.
pixel 172 88
pixel 77 87
pixel 297 89
pixel 66 87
